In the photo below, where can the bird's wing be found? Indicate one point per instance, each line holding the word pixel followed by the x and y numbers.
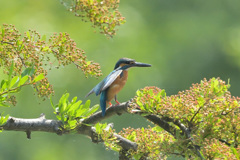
pixel 106 82
pixel 95 88
pixel 111 78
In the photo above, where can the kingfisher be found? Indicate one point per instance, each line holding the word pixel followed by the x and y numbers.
pixel 114 82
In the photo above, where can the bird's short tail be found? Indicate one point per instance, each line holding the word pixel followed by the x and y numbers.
pixel 89 93
pixel 103 100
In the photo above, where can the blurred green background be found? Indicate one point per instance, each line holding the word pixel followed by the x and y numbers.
pixel 184 40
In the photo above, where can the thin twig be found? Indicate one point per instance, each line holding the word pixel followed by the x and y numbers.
pixel 16 88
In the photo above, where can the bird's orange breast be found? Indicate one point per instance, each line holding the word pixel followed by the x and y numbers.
pixel 117 85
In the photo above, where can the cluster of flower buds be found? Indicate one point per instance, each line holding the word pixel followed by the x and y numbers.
pixel 33 51
pixel 103 14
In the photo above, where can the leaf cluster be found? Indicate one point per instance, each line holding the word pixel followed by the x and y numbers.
pixel 71 112
pixel 3 120
pixel 105 133
pixel 14 85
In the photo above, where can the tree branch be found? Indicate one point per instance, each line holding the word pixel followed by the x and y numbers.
pixel 55 126
pixel 161 123
pixel 85 126
pixel 225 142
pixel 29 125
pixel 97 117
pixel 111 111
pixel 123 108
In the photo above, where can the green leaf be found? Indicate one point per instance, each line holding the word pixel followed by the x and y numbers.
pixel 87 104
pixel 23 80
pixel 150 92
pixel 138 92
pixel 91 110
pixel 14 81
pixel 63 102
pixel 163 93
pixel 75 106
pixel 132 136
pixel 74 100
pixel 4 86
pixel 28 35
pixel 63 118
pixel 25 72
pixel 84 109
pixel 140 105
pixel 88 124
pixel 58 117
pixel 116 148
pixel 3 32
pixel 81 111
pixel 138 156
pixel 4 105
pixel 72 124
pixel 99 127
pixel 28 71
pixel 157 129
pixel 38 78
pixel 3 119
pixel 201 101
pixel 3 83
pixel 51 102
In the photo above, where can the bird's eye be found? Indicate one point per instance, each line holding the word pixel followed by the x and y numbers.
pixel 131 62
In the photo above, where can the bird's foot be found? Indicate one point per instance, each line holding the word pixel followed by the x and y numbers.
pixel 117 102
pixel 110 104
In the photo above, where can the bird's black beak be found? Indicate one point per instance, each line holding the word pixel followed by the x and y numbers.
pixel 139 64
